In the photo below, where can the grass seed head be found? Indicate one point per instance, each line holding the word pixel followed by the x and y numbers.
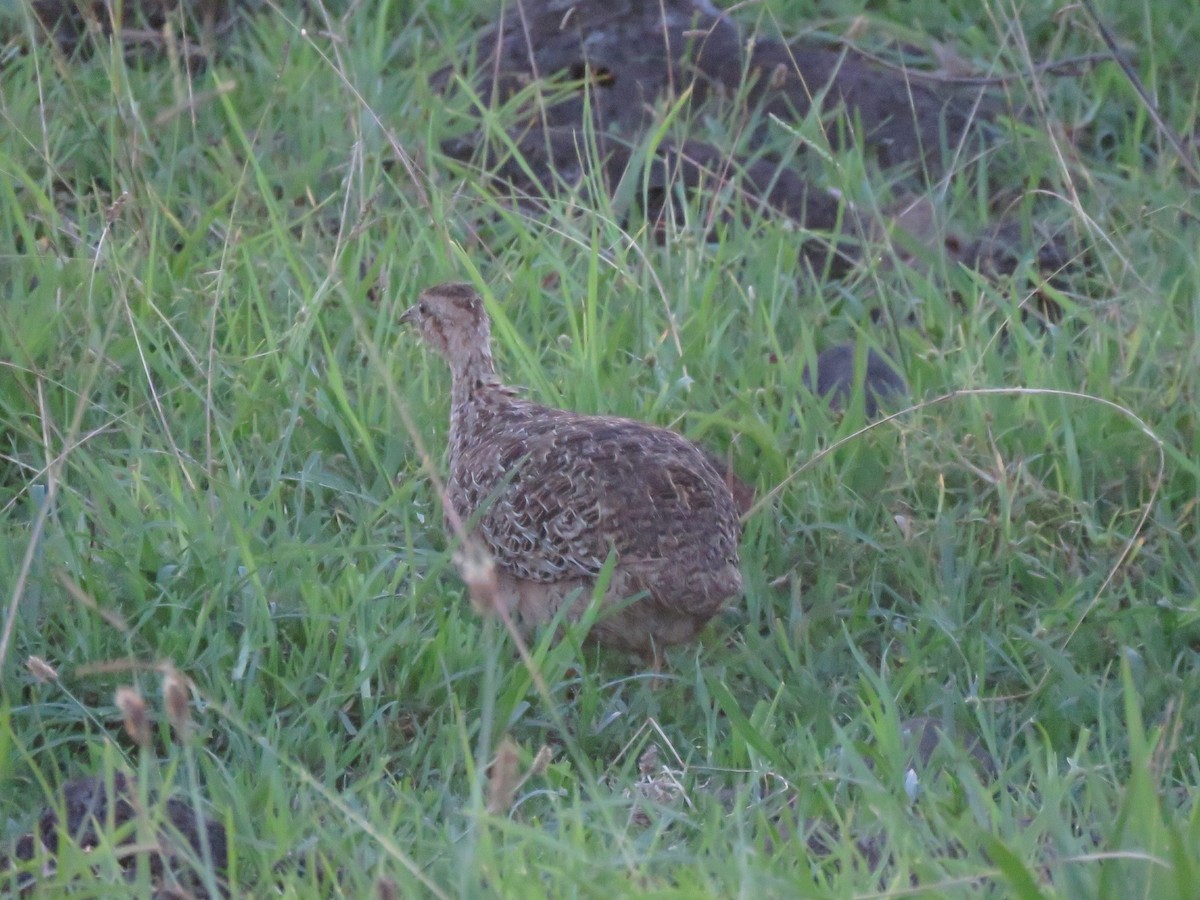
pixel 478 570
pixel 41 670
pixel 137 718
pixel 176 700
pixel 504 777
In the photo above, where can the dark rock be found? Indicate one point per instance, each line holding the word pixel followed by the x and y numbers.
pixel 89 806
pixel 634 57
pixel 905 121
pixel 836 379
pixel 551 159
pixel 930 737
pixel 137 24
pixel 591 84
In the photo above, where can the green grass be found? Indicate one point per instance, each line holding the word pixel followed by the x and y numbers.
pixel 204 462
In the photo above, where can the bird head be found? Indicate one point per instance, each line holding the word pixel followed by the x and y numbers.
pixel 451 319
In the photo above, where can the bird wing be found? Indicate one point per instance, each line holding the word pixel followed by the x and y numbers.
pixel 558 493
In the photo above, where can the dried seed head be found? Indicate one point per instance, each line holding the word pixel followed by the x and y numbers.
pixel 137 719
pixel 176 700
pixel 385 889
pixel 478 570
pixel 503 779
pixel 541 762
pixel 111 214
pixel 41 670
pixel 657 785
pixel 648 762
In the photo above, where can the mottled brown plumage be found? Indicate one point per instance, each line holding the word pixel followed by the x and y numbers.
pixel 552 493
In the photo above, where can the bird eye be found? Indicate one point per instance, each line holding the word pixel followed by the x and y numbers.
pixel 422 309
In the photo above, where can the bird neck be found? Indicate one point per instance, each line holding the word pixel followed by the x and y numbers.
pixel 477 399
pixel 473 374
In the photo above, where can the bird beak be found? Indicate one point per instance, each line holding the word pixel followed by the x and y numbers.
pixel 409 316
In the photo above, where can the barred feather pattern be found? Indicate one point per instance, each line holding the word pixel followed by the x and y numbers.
pixel 553 494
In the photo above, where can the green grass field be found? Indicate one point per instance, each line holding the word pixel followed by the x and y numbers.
pixel 206 466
